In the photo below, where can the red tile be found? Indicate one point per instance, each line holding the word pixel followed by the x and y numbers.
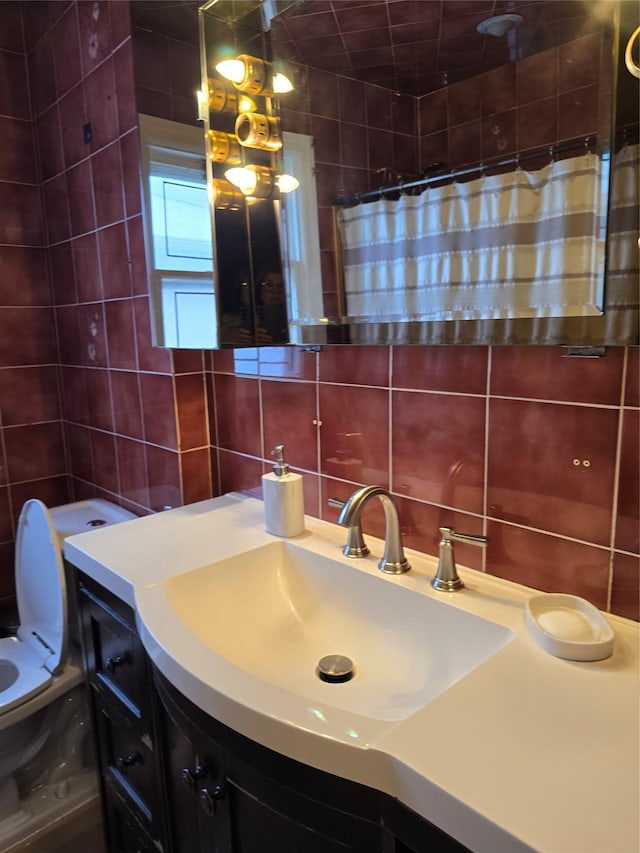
pixel 163 472
pixel 52 491
pixel 187 361
pixel 62 274
pixel 547 373
pixel 137 259
pixel 34 451
pixel 536 75
pixel 18 163
pixel 420 525
pixel 80 196
pixel 151 61
pixel 130 152
pixel 95 33
pixel 625 588
pixel 24 276
pixel 104 474
pixel 238 414
pixel 73 393
pixel 66 51
pixel 28 394
pixel 379 107
pixel 158 410
pixel 372 520
pixel 632 384
pixel 548 563
pixel 125 87
pixel 102 105
pixel 288 415
pixel 73 117
pixel 499 135
pixel 127 404
pixel 465 143
pixel 354 436
pixel 114 262
pixel 196 475
pixel 433 115
pixel 240 474
pixel 438 448
pixel 87 268
pixel 99 402
pixel 628 521
pixel 78 439
pixel 184 69
pixel 149 357
pixel 537 124
pixel 11 37
pixel 120 20
pixel 7 522
pixel 576 63
pixel 458 369
pixel 49 139
pixel 121 339
pixel 21 214
pixel 552 466
pixel 42 86
pixel 107 185
pixel 355 365
pixel 26 337
pixel 132 471
pixel 192 411
pixel 498 90
pixel 578 112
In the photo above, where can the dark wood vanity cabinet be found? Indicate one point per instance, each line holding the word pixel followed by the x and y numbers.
pixel 124 721
pixel 176 780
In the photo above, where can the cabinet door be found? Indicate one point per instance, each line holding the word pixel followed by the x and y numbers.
pixel 195 781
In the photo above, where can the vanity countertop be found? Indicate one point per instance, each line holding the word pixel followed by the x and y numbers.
pixel 527 752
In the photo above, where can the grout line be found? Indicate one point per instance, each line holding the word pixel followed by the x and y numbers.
pixel 616 477
pixel 485 475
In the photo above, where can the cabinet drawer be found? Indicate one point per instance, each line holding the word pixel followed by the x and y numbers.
pixel 115 657
pixel 129 763
pixel 126 835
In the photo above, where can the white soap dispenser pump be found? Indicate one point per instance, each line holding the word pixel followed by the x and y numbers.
pixel 283 498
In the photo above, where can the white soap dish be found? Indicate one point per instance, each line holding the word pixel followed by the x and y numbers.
pixel 569 627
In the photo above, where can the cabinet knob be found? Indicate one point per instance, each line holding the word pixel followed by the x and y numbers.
pixel 123 763
pixel 189 777
pixel 208 799
pixel 113 663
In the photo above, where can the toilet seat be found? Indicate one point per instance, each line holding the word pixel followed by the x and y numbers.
pixel 32 678
pixel 40 648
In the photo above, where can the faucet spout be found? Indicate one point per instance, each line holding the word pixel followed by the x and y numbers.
pixel 393 560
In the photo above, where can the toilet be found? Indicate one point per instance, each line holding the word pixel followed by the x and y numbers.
pixel 45 761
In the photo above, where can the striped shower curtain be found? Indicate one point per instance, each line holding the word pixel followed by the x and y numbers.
pixel 521 244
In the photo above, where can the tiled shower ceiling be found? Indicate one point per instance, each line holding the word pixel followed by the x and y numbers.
pixel 417 46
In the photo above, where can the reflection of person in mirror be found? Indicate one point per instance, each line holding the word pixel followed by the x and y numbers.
pixel 259 321
pixel 271 309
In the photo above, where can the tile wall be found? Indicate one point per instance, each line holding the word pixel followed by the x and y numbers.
pixel 492 439
pixel 535 449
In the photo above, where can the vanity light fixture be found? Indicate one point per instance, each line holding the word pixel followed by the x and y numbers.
pixel 226 196
pixel 220 99
pixel 259 181
pixel 254 75
pixel 254 130
pixel 224 148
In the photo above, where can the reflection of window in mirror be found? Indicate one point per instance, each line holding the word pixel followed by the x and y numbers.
pixel 301 248
pixel 178 240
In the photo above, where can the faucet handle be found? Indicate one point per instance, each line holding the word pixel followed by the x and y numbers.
pixel 355 546
pixel 446 578
pixel 448 533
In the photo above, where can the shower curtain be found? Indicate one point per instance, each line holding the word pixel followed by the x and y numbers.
pixel 522 244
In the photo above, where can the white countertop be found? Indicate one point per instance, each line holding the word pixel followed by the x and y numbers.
pixel 527 752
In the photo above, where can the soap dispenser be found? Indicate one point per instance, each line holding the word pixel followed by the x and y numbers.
pixel 283 498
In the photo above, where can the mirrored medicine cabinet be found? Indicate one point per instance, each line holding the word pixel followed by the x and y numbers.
pixel 271 262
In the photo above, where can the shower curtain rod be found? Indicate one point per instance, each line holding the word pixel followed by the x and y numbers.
pixel 585 142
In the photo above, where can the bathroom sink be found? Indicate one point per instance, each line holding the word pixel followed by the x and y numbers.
pixel 275 611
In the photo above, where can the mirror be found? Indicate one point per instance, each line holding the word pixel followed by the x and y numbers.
pixel 341 173
pixel 396 91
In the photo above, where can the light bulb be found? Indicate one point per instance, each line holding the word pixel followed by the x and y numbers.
pixel 231 69
pixel 281 84
pixel 287 183
pixel 243 178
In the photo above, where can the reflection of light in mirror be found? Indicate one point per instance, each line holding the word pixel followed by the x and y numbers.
pixel 287 183
pixel 258 181
pixel 231 69
pixel 250 74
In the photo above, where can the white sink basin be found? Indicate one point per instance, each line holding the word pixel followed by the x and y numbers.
pixel 276 610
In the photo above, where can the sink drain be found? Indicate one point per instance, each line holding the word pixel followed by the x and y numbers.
pixel 335 669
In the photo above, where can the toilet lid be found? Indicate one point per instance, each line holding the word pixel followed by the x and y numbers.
pixel 40 584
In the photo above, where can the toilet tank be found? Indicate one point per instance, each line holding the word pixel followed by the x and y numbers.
pixel 80 517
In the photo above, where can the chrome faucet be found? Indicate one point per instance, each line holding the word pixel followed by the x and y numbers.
pixel 393 560
pixel 446 578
